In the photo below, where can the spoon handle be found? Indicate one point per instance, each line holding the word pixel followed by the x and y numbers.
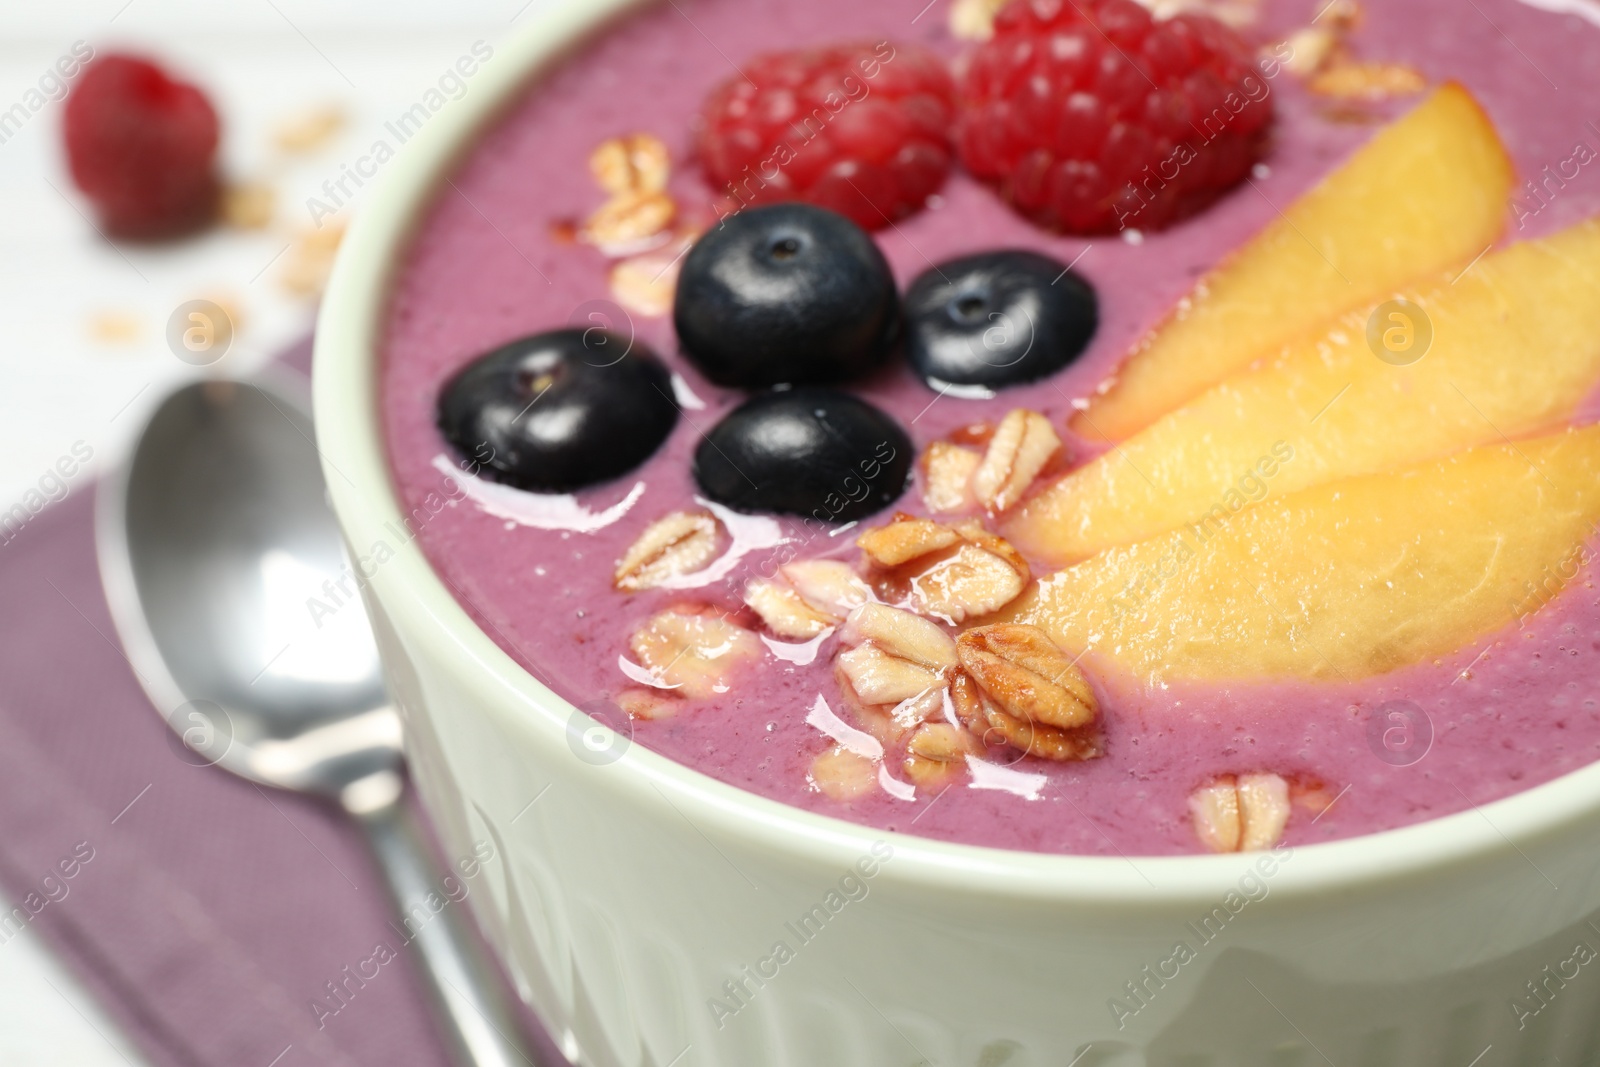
pixel 473 1009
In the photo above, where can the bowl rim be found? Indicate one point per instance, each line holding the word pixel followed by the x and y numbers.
pixel 350 438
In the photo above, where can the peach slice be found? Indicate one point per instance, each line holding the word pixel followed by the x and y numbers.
pixel 1428 191
pixel 1515 347
pixel 1342 581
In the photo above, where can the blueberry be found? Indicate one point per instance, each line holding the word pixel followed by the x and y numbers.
pixel 561 410
pixel 814 452
pixel 997 319
pixel 786 294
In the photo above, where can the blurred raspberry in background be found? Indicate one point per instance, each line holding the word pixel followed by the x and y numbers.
pixel 142 146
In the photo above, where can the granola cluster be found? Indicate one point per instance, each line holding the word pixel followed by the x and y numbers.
pixel 931 674
pixel 916 667
pixel 1321 54
pixel 638 225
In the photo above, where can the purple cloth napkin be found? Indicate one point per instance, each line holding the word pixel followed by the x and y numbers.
pixel 208 915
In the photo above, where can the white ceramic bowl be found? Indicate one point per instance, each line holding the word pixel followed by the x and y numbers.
pixel 634 895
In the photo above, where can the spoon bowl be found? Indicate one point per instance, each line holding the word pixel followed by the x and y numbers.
pixel 225 570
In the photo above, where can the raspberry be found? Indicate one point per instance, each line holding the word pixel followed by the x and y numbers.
pixel 142 147
pixel 1091 117
pixel 862 129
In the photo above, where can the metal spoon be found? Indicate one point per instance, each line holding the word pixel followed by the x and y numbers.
pixel 211 542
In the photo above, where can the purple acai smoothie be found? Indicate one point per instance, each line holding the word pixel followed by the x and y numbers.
pixel 495 258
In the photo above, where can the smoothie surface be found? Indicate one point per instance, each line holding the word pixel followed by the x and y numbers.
pixel 493 260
